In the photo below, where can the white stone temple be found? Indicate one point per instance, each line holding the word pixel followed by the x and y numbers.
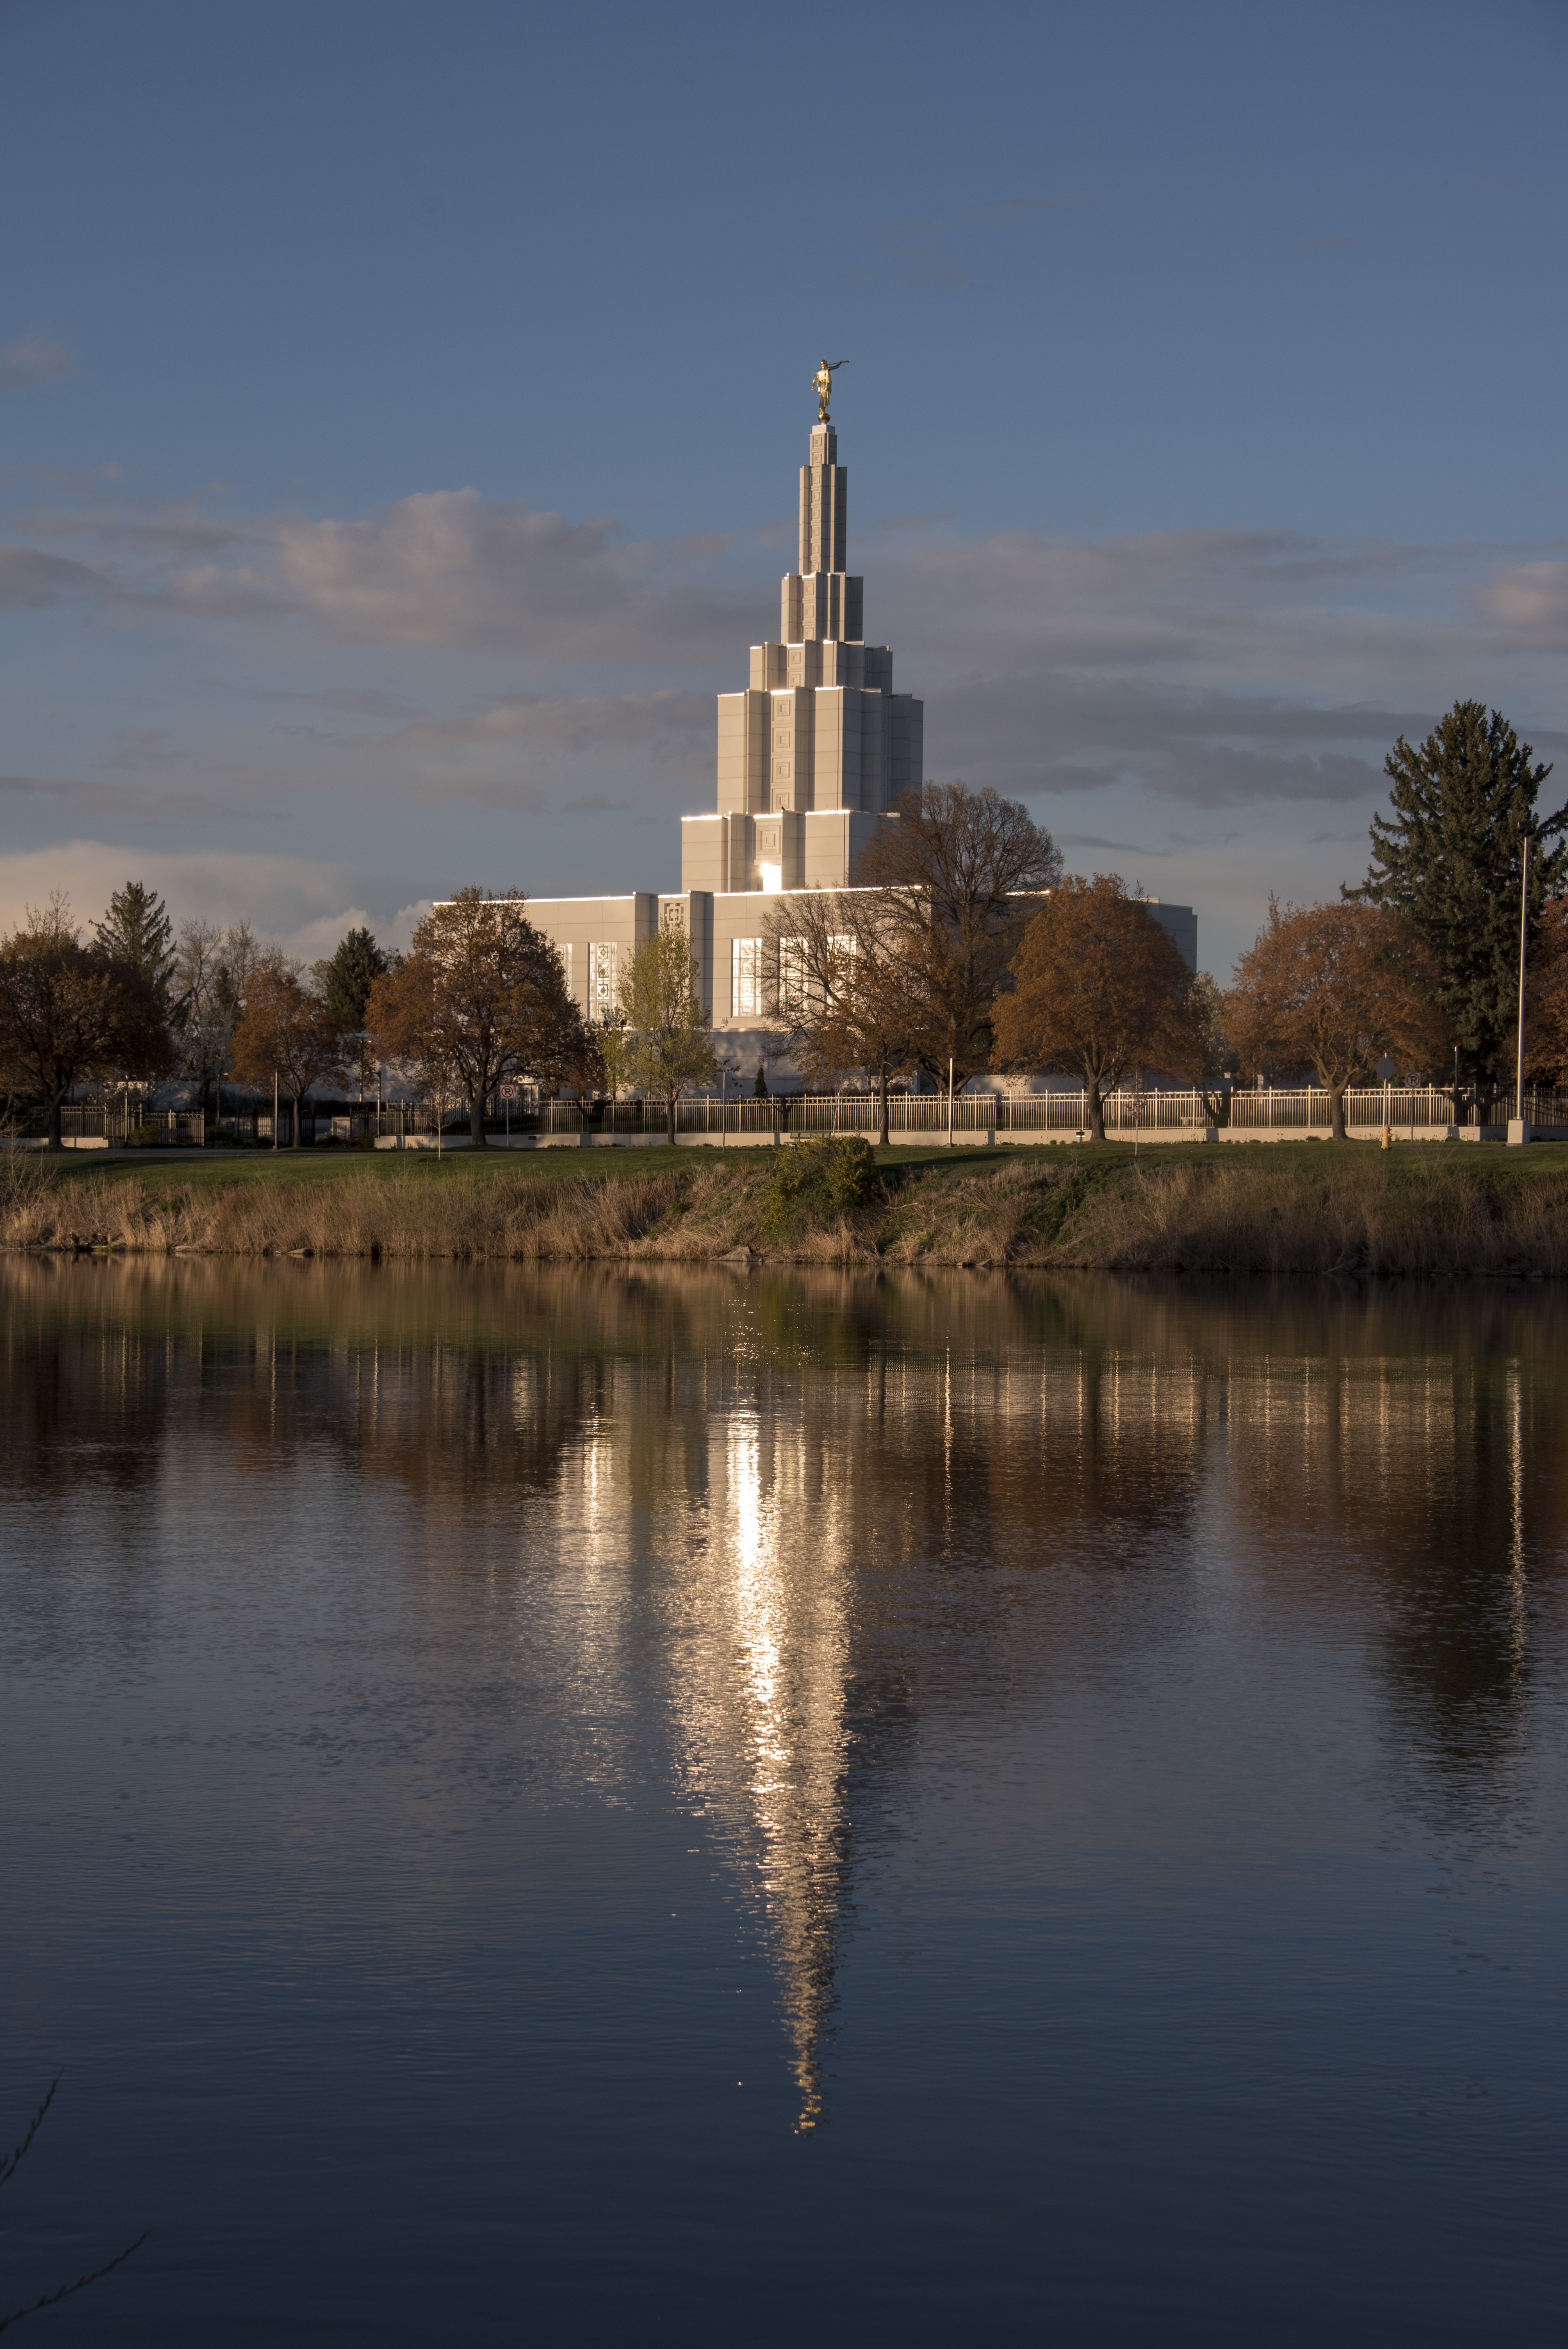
pixel 817 750
pixel 814 755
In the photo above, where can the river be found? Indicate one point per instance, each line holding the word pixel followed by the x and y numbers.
pixel 695 1807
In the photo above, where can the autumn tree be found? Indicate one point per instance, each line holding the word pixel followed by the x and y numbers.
pixel 1546 997
pixel 1448 862
pixel 1100 990
pixel 212 970
pixel 1334 989
pixel 956 875
pixel 480 998
pixel 70 1012
pixel 835 977
pixel 661 1042
pixel 287 1034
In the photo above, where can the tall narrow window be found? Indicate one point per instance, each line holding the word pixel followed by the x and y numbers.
pixel 745 994
pixel 602 980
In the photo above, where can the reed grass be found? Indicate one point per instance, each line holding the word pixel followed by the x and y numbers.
pixel 1421 1213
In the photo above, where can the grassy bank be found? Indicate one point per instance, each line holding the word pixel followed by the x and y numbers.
pixel 1428 1210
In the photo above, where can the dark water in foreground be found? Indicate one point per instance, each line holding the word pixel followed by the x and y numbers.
pixel 696 1809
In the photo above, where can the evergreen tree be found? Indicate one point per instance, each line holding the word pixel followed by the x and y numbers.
pixel 759 1090
pixel 137 931
pixel 1448 860
pixel 348 974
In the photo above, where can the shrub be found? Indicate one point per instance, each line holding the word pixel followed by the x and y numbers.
pixel 818 1182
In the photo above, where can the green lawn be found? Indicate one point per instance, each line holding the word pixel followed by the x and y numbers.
pixel 204 1168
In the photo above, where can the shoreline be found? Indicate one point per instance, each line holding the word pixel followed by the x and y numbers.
pixel 1311 1210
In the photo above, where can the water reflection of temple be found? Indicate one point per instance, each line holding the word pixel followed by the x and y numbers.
pixel 761 1640
pixel 789 1475
pixel 844 1501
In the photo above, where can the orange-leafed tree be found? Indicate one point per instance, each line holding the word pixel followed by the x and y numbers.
pixel 287 1034
pixel 1547 997
pixel 481 998
pixel 1334 989
pixel 70 1012
pixel 1100 990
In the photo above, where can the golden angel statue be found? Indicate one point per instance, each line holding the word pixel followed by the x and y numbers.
pixel 822 385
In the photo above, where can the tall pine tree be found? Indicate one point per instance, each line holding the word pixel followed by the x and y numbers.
pixel 137 930
pixel 1447 859
pixel 346 978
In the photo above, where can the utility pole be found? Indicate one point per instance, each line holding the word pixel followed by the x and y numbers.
pixel 1516 1132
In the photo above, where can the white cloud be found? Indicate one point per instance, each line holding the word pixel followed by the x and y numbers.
pixel 313 941
pixel 445 568
pixel 1529 602
pixel 35 358
pixel 404 923
pixel 304 905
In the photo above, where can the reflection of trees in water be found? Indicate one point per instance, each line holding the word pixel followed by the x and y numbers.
pixel 852 1498
pixel 1456 1565
pixel 78 1394
pixel 102 1364
pixel 1410 1440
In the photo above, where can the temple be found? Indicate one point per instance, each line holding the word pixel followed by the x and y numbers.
pixel 814 755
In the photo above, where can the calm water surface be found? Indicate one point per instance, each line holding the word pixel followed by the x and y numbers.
pixel 699 1809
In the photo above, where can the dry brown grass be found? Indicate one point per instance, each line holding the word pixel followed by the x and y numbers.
pixel 1415 1215
pixel 1419 1214
pixel 387 1215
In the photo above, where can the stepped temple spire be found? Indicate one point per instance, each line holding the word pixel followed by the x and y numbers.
pixel 814 754
pixel 820 599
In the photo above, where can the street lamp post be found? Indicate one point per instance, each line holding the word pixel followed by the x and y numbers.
pixel 1516 1132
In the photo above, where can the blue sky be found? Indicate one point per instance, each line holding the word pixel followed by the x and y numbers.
pixel 399 408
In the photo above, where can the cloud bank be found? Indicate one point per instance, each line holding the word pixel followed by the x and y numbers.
pixel 1223 698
